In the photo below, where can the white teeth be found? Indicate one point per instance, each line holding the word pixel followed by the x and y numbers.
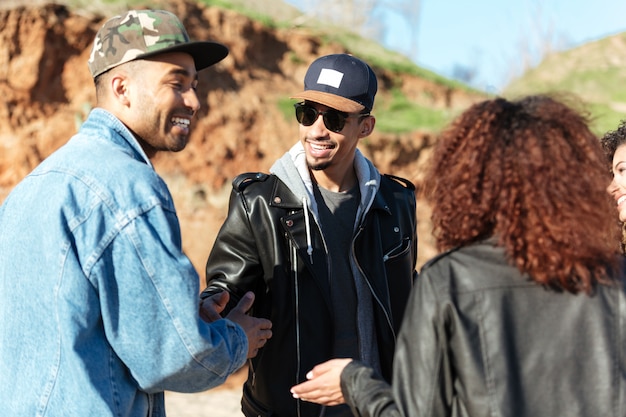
pixel 180 121
pixel 320 147
pixel 621 200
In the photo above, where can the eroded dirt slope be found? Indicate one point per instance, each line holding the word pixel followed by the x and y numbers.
pixel 46 91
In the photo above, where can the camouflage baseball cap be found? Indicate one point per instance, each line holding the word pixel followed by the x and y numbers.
pixel 145 33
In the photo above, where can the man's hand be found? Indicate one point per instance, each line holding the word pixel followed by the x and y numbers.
pixel 211 307
pixel 258 330
pixel 324 383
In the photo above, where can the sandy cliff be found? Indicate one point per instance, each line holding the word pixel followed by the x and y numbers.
pixel 47 91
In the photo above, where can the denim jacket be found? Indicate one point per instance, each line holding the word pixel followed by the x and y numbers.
pixel 99 304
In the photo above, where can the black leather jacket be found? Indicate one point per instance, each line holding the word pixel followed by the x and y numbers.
pixel 262 247
pixel 480 339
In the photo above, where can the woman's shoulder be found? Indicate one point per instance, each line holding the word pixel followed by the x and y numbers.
pixel 477 266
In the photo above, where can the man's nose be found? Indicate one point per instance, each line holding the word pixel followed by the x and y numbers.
pixel 191 100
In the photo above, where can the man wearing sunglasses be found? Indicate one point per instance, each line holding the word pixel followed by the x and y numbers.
pixel 325 241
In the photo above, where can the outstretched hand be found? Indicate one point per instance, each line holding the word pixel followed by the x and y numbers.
pixel 324 383
pixel 257 330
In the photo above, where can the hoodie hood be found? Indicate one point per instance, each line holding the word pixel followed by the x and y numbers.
pixel 293 171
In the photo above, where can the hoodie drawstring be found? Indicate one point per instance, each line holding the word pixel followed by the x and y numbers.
pixel 307 224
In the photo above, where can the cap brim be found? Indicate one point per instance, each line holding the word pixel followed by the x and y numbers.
pixel 204 53
pixel 331 100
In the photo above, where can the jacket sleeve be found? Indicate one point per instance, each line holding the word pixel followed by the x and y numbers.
pixel 422 381
pixel 148 292
pixel 422 385
pixel 366 393
pixel 234 264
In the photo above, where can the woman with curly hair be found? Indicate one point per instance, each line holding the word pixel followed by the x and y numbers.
pixel 614 144
pixel 523 313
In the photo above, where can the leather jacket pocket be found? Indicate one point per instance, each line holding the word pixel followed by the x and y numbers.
pixel 250 407
pixel 399 261
pixel 401 273
pixel 402 249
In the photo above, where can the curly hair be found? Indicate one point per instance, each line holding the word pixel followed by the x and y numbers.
pixel 532 174
pixel 613 140
pixel 610 142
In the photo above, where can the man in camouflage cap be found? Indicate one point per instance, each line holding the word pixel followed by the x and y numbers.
pixel 99 304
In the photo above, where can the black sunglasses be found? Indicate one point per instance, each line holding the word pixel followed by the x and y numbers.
pixel 334 120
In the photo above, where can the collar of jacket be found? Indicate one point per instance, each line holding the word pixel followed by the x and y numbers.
pixel 283 197
pixel 302 236
pixel 293 170
pixel 116 132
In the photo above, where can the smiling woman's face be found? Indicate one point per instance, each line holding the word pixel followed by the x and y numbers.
pixel 617 188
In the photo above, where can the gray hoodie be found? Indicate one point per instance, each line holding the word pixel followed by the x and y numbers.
pixel 293 171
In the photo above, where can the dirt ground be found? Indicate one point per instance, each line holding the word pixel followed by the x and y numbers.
pixel 218 402
pixel 223 401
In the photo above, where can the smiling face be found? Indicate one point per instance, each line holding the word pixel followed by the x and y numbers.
pixel 617 188
pixel 160 101
pixel 330 155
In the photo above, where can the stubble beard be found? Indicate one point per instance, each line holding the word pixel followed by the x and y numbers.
pixel 318 167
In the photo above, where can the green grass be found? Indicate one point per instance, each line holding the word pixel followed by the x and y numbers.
pixel 604 118
pixel 285 105
pixel 241 8
pixel 593 72
pixel 397 114
pixel 596 90
pixel 105 7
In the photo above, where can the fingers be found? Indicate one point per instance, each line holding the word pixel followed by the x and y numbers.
pixel 211 307
pixel 317 393
pixel 208 312
pixel 324 383
pixel 220 300
pixel 258 330
pixel 258 336
pixel 245 304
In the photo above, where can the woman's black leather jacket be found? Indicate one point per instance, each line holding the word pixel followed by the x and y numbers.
pixel 481 339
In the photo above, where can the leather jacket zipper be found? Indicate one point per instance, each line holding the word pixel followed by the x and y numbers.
pixel 369 285
pixel 398 246
pixel 296 277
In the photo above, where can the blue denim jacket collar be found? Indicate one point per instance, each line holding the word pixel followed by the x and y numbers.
pixel 119 134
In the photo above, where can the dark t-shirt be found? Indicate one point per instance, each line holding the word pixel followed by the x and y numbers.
pixel 337 212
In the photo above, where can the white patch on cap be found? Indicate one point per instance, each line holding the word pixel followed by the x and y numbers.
pixel 330 77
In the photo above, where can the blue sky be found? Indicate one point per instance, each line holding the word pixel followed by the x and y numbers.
pixel 496 39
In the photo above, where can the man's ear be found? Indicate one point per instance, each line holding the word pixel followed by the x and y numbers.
pixel 119 88
pixel 367 126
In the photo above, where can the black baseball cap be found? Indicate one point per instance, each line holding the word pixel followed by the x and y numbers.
pixel 340 81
